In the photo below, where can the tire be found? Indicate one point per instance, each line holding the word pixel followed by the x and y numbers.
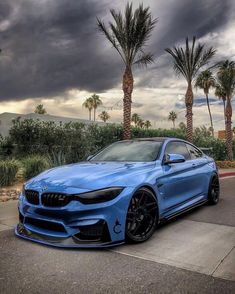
pixel 142 216
pixel 214 190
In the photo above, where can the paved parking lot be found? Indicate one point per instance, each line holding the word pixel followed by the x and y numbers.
pixel 195 253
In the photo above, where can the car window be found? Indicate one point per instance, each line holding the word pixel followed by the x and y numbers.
pixel 178 148
pixel 194 152
pixel 137 151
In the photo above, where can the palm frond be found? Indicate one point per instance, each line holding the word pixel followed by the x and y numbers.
pixel 226 78
pixel 205 81
pixel 178 61
pixel 144 59
pixel 208 54
pixel 129 33
pixel 187 61
pixel 111 38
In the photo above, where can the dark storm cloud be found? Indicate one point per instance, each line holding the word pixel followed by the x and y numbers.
pixel 189 18
pixel 50 46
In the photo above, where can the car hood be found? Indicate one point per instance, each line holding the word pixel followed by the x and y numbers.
pixel 92 175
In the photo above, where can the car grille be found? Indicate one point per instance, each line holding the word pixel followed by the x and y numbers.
pixel 45 225
pixel 32 196
pixel 55 199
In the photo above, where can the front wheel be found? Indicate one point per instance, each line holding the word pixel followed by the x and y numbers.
pixel 142 216
pixel 214 191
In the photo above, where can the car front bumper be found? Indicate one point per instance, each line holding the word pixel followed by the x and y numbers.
pixel 75 225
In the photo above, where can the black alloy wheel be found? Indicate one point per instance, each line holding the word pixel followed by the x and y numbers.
pixel 214 191
pixel 142 216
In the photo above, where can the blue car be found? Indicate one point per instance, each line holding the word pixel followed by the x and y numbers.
pixel 120 194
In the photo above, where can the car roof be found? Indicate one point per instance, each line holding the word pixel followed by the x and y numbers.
pixel 158 139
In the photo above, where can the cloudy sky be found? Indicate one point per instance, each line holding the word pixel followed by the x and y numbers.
pixel 52 53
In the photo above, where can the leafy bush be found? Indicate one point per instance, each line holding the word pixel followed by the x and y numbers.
pixel 225 164
pixel 218 147
pixel 57 158
pixel 144 133
pixel 74 141
pixel 6 147
pixel 8 171
pixel 34 165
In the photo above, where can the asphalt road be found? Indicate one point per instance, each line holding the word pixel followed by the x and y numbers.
pixel 27 267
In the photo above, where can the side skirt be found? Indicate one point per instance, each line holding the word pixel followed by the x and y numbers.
pixel 164 219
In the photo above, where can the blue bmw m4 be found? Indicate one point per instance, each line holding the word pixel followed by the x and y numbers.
pixel 120 194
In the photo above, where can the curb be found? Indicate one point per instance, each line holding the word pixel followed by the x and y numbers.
pixel 228 174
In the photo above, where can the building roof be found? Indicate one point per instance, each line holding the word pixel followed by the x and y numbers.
pixel 7 117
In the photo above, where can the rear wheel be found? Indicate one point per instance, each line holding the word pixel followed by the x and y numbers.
pixel 142 216
pixel 214 191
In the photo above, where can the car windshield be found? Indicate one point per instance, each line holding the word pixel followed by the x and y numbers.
pixel 137 151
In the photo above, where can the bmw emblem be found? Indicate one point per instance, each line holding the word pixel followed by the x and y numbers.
pixel 44 188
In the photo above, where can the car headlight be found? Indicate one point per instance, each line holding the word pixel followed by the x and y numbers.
pixel 99 195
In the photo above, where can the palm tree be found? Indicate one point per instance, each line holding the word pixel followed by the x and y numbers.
pixel 187 62
pixel 96 102
pixel 172 116
pixel 205 81
pixel 182 127
pixel 88 104
pixel 129 34
pixel 104 116
pixel 39 109
pixel 147 124
pixel 219 92
pixel 226 80
pixel 135 118
pixel 140 123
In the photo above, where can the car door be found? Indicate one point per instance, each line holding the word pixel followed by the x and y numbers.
pixel 200 178
pixel 179 186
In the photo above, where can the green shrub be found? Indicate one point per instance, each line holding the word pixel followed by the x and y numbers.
pixel 6 147
pixel 218 146
pixel 34 165
pixel 225 164
pixel 57 158
pixel 8 171
pixel 74 141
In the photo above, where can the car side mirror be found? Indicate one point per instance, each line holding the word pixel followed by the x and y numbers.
pixel 173 158
pixel 89 157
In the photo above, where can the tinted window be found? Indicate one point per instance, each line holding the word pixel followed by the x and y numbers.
pixel 130 151
pixel 178 148
pixel 194 152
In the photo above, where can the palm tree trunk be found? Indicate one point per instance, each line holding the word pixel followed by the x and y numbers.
pixel 127 87
pixel 94 113
pixel 189 112
pixel 89 114
pixel 229 134
pixel 173 124
pixel 224 111
pixel 209 110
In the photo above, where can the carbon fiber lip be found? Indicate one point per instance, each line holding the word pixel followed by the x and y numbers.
pixel 70 242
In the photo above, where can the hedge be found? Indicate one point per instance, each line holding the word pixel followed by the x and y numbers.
pixel 8 171
pixel 34 165
pixel 74 141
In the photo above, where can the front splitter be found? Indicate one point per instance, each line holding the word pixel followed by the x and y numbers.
pixel 70 242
